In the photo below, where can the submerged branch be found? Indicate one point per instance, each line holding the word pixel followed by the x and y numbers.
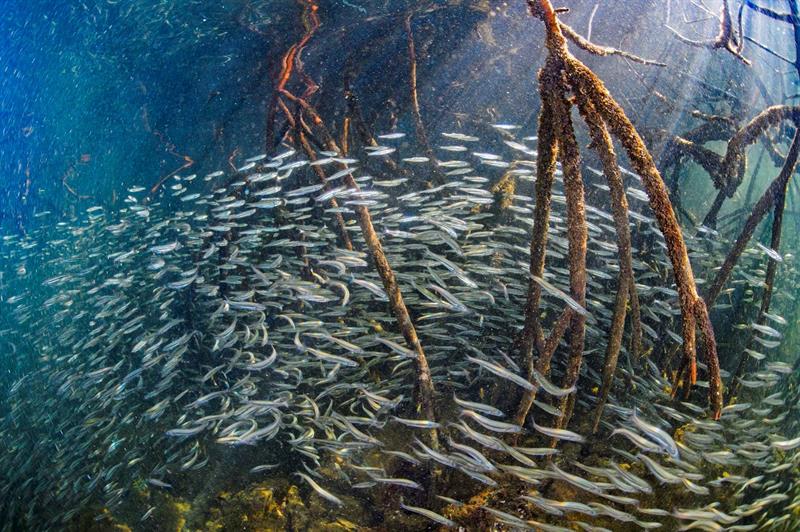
pixel 596 49
pixel 341 226
pixel 154 189
pixel 308 125
pixel 170 148
pixel 783 17
pixel 290 64
pixel 769 283
pixel 422 135
pixel 734 163
pixel 764 204
pixel 71 170
pixel 726 38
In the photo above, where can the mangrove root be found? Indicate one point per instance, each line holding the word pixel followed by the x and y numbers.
pixel 563 74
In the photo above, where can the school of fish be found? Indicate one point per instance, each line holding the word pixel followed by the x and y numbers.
pixel 145 341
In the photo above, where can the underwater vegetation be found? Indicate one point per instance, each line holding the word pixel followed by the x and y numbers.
pixel 375 321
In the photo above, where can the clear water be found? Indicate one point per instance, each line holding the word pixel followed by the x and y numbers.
pixel 190 345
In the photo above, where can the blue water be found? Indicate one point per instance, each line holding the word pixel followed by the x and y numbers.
pixel 100 90
pixel 99 96
pixel 86 85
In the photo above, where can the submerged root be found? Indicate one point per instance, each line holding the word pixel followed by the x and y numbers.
pixel 422 135
pixel 341 226
pixel 769 283
pixel 531 333
pixel 543 363
pixel 762 206
pixel 577 235
pixel 562 73
pixel 621 127
pixel 733 165
pixel 601 141
pixel 306 124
